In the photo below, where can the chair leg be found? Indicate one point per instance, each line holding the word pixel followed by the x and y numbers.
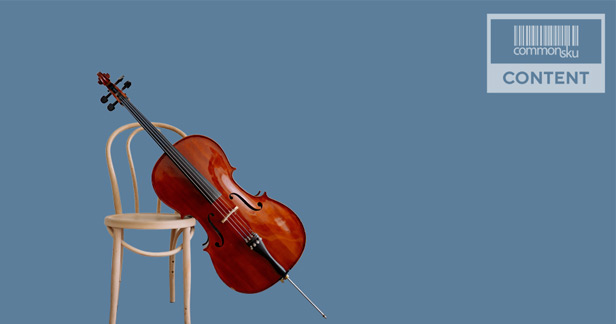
pixel 172 268
pixel 121 254
pixel 116 268
pixel 186 268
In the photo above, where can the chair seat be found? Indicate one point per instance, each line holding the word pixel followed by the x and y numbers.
pixel 148 221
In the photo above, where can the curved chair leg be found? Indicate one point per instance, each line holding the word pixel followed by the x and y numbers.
pixel 186 268
pixel 172 268
pixel 116 268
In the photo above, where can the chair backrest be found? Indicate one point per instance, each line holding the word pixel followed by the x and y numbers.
pixel 114 181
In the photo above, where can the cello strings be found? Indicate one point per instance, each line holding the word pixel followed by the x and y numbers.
pixel 241 220
pixel 239 217
pixel 233 216
pixel 181 162
pixel 161 141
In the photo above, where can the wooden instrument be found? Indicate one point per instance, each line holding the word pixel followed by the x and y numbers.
pixel 256 240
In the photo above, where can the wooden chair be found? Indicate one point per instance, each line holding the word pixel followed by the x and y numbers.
pixel 145 221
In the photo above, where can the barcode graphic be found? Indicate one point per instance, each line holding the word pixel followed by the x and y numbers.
pixel 546 35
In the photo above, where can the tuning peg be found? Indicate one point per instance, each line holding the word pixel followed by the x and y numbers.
pixel 126 85
pixel 104 99
pixel 119 80
pixel 111 107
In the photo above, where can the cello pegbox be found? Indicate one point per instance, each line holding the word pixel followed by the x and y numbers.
pixel 103 78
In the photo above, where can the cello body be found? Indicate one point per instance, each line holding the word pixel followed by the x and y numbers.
pixel 279 228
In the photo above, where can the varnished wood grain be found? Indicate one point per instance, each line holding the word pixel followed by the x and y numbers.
pixel 239 267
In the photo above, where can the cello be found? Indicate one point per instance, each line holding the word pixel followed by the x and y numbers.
pixel 256 239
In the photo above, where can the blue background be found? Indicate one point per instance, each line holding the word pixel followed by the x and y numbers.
pixel 425 199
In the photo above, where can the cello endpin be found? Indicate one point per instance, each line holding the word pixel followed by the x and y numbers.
pixel 308 299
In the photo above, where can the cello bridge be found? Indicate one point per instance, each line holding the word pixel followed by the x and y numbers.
pixel 229 215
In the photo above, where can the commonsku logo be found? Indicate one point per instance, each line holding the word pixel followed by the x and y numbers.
pixel 547 40
pixel 546 53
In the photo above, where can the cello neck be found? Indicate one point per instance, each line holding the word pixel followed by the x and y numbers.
pixel 156 135
pixel 205 187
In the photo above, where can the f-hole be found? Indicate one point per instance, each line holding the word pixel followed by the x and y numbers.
pixel 246 203
pixel 222 239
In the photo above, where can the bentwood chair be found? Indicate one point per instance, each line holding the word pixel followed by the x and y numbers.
pixel 118 222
